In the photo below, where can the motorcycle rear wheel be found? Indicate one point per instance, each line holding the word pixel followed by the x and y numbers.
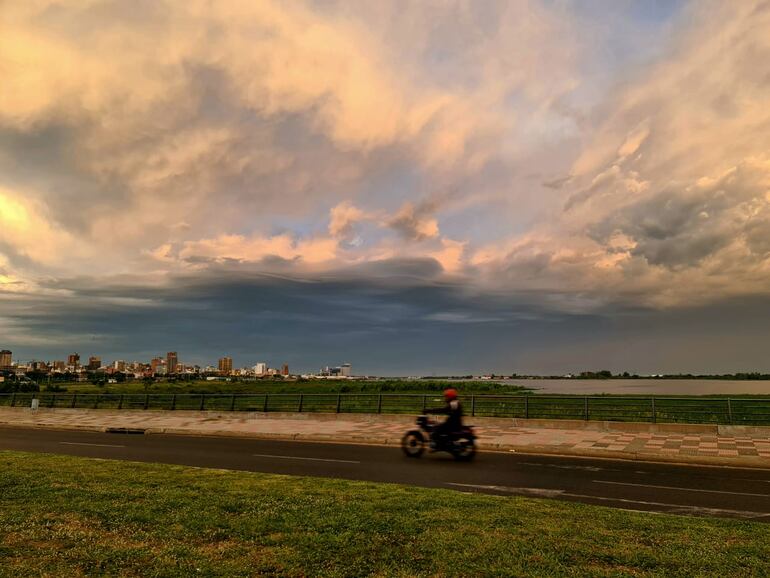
pixel 413 444
pixel 464 448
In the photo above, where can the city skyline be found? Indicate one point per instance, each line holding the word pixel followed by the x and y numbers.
pixel 170 364
pixel 534 187
pixel 161 365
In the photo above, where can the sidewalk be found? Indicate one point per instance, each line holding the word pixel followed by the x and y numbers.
pixel 682 444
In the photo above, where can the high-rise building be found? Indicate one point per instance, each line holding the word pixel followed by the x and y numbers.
pixel 156 365
pixel 73 360
pixel 171 362
pixel 59 366
pixel 346 370
pixel 285 369
pixel 119 365
pixel 94 363
pixel 260 368
pixel 41 366
pixel 225 365
pixel 6 359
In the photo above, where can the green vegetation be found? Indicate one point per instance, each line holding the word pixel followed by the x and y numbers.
pixel 67 516
pixel 485 399
pixel 18 386
pixel 298 386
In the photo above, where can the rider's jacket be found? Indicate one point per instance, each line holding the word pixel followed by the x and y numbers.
pixel 454 411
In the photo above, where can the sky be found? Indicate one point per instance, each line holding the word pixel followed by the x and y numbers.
pixel 439 187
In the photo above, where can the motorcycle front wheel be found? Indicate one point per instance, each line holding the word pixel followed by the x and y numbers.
pixel 464 448
pixel 413 444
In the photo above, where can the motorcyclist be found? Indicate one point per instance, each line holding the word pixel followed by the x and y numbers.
pixel 454 421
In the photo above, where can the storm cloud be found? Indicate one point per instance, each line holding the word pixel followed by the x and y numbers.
pixel 467 185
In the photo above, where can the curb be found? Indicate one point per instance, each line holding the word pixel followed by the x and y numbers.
pixel 684 460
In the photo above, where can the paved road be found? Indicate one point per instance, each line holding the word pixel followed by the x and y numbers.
pixel 692 490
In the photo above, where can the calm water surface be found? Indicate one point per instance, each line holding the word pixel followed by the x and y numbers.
pixel 644 386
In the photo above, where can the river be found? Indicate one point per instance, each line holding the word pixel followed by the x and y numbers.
pixel 644 386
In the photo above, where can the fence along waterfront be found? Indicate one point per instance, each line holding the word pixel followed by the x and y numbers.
pixel 738 411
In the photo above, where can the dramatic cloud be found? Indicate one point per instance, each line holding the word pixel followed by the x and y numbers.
pixel 343 218
pixel 239 248
pixel 184 118
pixel 555 162
pixel 415 223
pixel 667 204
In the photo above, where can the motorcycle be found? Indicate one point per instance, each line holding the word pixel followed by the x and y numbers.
pixel 462 444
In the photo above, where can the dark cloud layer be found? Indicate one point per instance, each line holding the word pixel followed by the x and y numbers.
pixel 394 325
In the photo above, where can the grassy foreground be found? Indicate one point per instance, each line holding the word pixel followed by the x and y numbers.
pixel 66 516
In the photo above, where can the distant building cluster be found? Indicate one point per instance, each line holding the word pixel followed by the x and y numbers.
pixel 160 366
pixel 344 370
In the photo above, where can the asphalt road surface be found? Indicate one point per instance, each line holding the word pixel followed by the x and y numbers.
pixel 645 486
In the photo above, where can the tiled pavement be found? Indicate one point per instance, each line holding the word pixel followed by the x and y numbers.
pixel 495 434
pixel 637 443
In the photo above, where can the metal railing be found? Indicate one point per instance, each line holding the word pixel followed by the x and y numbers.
pixel 738 411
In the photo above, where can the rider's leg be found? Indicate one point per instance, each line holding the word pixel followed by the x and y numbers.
pixel 439 436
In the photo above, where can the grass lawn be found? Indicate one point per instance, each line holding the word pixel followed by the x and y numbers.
pixel 66 516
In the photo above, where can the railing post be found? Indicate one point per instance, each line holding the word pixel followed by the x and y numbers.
pixel 120 402
pixel 203 401
pixel 339 402
pixel 173 402
pixel 146 400
pixel 53 401
pixel 729 411
pixel 299 409
pixel 74 400
pixel 526 407
pixel 13 399
pixel 654 416
pixel 232 403
pixel 96 402
pixel 585 408
pixel 473 405
pixel 379 404
pixel 424 403
pixel 265 408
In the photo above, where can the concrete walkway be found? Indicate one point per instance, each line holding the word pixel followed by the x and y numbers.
pixel 701 444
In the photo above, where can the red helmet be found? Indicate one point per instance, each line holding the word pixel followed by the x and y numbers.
pixel 450 394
